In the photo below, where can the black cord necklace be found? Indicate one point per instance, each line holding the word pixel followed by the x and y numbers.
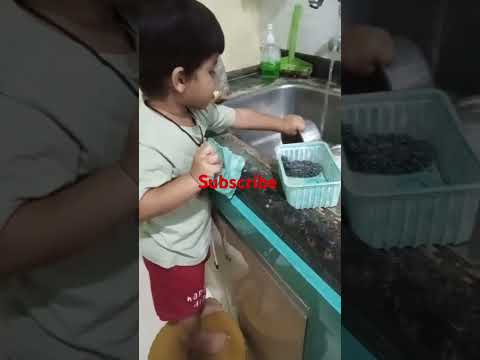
pixel 179 127
pixel 82 43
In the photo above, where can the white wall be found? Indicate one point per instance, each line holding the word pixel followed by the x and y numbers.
pixel 244 22
pixel 240 22
pixel 317 26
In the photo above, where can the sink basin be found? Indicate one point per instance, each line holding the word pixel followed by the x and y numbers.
pixel 281 100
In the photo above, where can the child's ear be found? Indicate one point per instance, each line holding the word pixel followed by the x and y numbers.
pixel 179 79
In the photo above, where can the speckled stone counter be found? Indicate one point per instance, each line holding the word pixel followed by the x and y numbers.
pixel 421 303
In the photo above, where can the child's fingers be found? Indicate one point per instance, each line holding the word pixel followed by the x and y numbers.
pixel 301 124
pixel 213 159
pixel 217 169
pixel 206 149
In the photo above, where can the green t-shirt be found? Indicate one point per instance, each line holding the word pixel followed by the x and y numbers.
pixel 181 237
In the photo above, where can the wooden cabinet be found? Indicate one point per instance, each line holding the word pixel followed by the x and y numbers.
pixel 272 318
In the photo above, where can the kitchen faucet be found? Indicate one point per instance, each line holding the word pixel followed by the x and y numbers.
pixel 335 43
pixel 315 4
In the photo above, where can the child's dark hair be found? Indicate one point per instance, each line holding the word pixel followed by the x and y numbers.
pixel 175 33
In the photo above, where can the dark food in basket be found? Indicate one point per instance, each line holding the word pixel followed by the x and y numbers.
pixel 301 168
pixel 389 154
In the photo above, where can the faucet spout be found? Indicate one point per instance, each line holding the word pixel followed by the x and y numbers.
pixel 315 4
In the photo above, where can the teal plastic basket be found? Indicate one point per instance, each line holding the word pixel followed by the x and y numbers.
pixel 315 192
pixel 433 207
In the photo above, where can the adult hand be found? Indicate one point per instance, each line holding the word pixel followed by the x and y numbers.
pixel 366 47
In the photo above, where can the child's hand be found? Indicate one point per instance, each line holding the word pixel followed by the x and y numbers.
pixel 293 124
pixel 205 162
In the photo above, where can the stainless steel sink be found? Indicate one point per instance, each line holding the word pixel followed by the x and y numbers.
pixel 281 100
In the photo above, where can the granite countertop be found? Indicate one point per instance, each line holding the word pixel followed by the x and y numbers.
pixel 422 302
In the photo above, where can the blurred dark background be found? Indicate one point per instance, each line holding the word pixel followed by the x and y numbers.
pixel 423 302
pixel 445 31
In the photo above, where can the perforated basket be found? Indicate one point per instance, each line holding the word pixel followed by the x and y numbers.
pixel 319 191
pixel 387 211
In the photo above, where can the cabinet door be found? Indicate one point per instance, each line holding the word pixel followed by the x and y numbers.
pixel 272 318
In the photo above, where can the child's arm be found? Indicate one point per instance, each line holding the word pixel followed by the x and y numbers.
pixel 166 198
pixel 249 119
pixel 68 221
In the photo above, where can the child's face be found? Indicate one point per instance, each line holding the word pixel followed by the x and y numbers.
pixel 200 87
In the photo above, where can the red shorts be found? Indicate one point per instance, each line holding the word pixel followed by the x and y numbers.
pixel 179 292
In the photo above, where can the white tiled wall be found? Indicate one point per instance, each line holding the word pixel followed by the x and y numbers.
pixel 244 22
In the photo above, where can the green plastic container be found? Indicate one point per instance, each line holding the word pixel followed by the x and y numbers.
pixel 437 206
pixel 306 193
